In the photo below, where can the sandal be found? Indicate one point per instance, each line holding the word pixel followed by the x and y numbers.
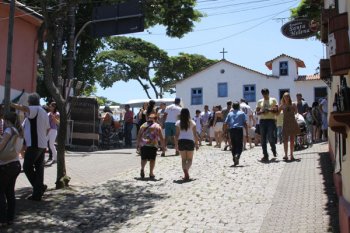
pixel 152 177
pixel 292 159
pixel 285 158
pixel 142 174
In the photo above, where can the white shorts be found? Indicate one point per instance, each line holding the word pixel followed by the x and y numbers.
pixel 211 132
pixel 218 126
pixel 251 132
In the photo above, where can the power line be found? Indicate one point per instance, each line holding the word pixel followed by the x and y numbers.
pixel 249 9
pixel 214 28
pixel 234 4
pixel 232 35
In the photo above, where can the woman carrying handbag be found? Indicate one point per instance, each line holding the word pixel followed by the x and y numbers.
pixel 10 167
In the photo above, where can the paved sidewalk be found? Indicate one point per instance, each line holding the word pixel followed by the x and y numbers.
pixel 252 197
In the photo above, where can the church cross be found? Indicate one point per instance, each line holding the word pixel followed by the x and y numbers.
pixel 223 53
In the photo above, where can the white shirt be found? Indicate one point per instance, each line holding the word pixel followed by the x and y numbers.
pixel 248 112
pixel 43 126
pixel 324 105
pixel 197 120
pixel 173 112
pixel 186 134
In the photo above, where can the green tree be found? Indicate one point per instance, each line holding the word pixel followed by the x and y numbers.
pixel 178 68
pixel 309 9
pixel 131 58
pixel 178 17
pixel 56 51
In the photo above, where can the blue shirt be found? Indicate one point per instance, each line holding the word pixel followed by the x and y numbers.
pixel 236 119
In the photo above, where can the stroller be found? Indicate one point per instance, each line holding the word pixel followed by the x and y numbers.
pixel 302 140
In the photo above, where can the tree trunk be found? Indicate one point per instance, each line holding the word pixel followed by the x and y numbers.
pixel 144 88
pixel 53 28
pixel 153 87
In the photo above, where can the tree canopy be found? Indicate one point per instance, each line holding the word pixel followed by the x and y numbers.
pixel 132 58
pixel 178 17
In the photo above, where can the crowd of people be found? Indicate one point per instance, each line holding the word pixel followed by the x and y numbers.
pixel 231 128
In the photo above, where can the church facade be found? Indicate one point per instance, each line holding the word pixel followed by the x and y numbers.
pixel 224 81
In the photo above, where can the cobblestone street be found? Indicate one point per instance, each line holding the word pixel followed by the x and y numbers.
pixel 253 197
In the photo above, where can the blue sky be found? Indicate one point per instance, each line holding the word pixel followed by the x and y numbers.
pixel 249 30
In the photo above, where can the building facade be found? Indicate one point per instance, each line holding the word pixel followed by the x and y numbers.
pixel 335 69
pixel 24 50
pixel 225 81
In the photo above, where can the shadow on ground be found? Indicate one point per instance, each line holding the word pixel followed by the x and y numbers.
pixel 329 188
pixel 80 209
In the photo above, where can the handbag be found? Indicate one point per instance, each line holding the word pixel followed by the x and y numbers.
pixel 9 152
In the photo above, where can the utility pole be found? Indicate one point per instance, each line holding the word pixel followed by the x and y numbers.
pixel 7 95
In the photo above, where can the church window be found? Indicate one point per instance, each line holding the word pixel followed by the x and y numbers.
pixel 283 68
pixel 196 96
pixel 249 93
pixel 222 90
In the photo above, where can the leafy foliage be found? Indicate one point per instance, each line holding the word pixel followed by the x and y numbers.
pixel 309 9
pixel 178 68
pixel 133 58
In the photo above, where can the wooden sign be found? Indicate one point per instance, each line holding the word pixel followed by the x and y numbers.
pixel 300 28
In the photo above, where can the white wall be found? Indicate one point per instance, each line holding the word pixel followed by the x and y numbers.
pixel 236 77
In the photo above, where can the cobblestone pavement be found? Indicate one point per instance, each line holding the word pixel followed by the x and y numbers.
pixel 253 197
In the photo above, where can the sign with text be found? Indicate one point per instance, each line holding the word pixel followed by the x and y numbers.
pixel 300 29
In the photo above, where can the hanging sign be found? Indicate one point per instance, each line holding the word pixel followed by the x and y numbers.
pixel 300 28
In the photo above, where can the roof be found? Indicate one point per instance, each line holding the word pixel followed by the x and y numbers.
pixel 28 11
pixel 308 77
pixel 230 63
pixel 139 102
pixel 299 62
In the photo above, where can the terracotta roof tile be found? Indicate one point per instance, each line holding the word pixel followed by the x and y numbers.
pixel 308 77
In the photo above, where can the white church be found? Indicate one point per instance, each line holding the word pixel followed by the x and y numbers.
pixel 224 81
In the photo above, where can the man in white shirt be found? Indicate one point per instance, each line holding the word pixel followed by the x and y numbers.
pixel 36 127
pixel 250 121
pixel 171 115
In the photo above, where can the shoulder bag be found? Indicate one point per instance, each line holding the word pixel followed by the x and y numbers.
pixel 9 152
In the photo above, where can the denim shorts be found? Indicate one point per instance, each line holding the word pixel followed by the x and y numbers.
pixel 186 144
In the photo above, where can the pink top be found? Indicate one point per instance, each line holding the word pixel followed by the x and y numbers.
pixel 150 136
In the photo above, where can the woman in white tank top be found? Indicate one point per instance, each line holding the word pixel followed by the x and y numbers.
pixel 186 140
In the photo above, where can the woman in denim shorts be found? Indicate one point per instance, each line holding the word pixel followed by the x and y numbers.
pixel 186 140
